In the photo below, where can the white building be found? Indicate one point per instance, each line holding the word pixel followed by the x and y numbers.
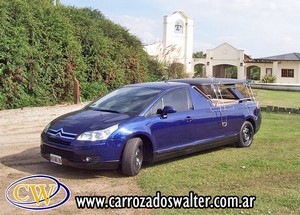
pixel 219 58
pixel 177 47
pixel 177 44
pixel 286 67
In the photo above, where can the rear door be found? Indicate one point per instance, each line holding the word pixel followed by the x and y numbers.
pixel 227 109
pixel 207 119
pixel 213 119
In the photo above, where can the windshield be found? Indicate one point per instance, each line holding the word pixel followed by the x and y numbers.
pixel 127 100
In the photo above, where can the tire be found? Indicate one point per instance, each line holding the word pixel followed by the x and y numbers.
pixel 246 135
pixel 132 158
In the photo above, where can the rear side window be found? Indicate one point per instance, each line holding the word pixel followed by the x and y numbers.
pixel 179 99
pixel 228 91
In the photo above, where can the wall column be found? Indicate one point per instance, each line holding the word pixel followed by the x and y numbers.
pixel 209 69
pixel 241 72
pixel 275 71
pixel 208 65
pixel 298 73
pixel 192 67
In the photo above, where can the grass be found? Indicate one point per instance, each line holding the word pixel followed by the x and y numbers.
pixel 269 169
pixel 278 98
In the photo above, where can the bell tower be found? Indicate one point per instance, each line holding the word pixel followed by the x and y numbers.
pixel 178 39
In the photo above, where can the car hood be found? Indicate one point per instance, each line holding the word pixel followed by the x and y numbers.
pixel 83 120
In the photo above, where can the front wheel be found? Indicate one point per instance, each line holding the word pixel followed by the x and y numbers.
pixel 246 135
pixel 132 157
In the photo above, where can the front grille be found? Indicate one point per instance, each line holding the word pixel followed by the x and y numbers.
pixel 59 141
pixel 61 133
pixel 69 155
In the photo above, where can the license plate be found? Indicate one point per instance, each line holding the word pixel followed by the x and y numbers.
pixel 55 159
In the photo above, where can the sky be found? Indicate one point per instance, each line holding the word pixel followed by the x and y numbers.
pixel 261 28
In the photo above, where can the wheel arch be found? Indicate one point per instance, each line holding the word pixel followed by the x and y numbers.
pixel 147 147
pixel 252 121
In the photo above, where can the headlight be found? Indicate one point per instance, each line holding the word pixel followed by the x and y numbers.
pixel 97 135
pixel 46 128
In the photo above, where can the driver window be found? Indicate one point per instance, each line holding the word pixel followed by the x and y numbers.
pixel 178 98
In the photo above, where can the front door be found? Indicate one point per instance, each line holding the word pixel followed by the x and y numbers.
pixel 173 130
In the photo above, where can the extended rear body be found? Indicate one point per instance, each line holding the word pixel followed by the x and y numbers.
pixel 158 120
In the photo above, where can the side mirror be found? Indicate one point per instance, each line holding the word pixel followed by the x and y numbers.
pixel 167 109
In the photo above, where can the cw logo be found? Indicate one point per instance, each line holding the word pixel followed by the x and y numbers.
pixel 49 194
pixel 43 195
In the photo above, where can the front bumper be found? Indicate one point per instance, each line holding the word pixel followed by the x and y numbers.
pixel 73 159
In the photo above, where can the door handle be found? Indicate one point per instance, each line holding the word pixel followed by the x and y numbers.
pixel 188 119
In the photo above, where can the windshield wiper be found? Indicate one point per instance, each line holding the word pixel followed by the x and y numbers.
pixel 106 110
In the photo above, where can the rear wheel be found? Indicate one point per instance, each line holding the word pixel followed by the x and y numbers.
pixel 246 135
pixel 132 157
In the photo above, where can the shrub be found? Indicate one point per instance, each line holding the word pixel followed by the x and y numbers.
pixel 44 47
pixel 156 70
pixel 177 70
pixel 268 79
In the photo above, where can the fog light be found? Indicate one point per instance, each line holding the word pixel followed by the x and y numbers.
pixel 87 159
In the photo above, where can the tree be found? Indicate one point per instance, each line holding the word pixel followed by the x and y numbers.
pixel 255 73
pixel 199 68
pixel 231 72
pixel 199 55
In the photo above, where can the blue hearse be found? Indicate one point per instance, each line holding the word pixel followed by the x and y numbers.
pixel 149 122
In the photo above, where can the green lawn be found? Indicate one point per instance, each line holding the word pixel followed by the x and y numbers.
pixel 278 98
pixel 269 169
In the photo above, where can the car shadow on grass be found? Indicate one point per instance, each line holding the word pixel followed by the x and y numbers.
pixel 30 161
